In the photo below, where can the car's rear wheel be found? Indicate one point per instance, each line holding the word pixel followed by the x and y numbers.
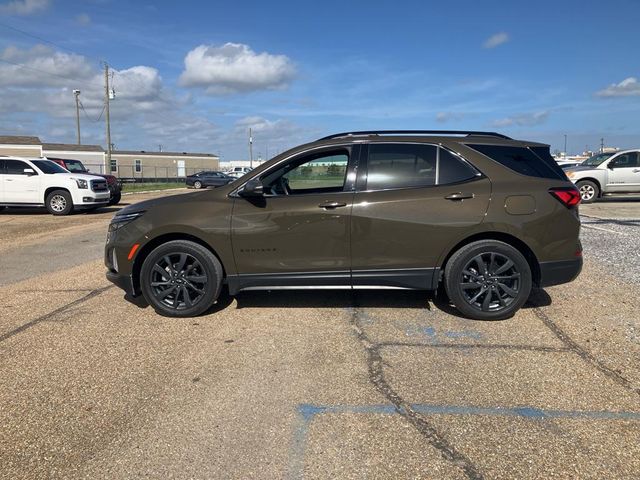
pixel 589 191
pixel 197 184
pixel 488 280
pixel 59 202
pixel 181 279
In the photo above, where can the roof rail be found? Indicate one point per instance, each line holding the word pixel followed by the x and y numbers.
pixel 417 132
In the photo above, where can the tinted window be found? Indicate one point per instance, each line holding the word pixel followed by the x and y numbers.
pixel 47 166
pixel 452 169
pixel 626 160
pixel 520 160
pixel 75 166
pixel 545 156
pixel 401 166
pixel 1 167
pixel 16 167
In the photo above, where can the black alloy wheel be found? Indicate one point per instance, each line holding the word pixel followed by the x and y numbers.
pixel 488 280
pixel 181 279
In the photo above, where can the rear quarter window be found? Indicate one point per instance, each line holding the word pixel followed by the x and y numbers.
pixel 523 160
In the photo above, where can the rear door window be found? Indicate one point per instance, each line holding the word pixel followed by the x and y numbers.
pixel 15 167
pixel 521 160
pixel 398 165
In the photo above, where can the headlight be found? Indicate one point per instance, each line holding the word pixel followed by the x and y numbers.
pixel 81 183
pixel 120 221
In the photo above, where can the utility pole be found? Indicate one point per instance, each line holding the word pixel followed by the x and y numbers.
pixel 601 145
pixel 565 145
pixel 106 113
pixel 250 149
pixel 76 93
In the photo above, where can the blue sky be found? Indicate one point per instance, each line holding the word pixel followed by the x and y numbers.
pixel 196 75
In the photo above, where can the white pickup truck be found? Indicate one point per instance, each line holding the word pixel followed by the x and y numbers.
pixel 39 182
pixel 607 174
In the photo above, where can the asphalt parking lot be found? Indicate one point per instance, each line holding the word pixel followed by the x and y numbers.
pixel 381 384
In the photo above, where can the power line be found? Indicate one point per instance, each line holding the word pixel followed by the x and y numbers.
pixel 87 114
pixel 47 41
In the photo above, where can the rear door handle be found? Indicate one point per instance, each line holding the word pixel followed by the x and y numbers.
pixel 459 196
pixel 332 205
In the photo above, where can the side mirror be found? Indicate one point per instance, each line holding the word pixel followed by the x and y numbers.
pixel 253 188
pixel 29 172
pixel 611 165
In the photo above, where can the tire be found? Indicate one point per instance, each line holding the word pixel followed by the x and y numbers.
pixel 589 191
pixel 59 202
pixel 115 199
pixel 469 291
pixel 167 292
pixel 197 184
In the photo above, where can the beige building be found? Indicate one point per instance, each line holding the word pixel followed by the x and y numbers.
pixel 124 163
pixel 20 146
pixel 132 164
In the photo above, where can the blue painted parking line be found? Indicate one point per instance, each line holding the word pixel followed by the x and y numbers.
pixel 307 412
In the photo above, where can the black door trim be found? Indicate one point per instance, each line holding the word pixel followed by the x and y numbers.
pixel 411 278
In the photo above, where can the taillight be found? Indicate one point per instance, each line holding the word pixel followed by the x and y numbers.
pixel 568 196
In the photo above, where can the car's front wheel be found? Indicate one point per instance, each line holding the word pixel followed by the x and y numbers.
pixel 181 279
pixel 488 280
pixel 59 202
pixel 197 184
pixel 115 199
pixel 589 191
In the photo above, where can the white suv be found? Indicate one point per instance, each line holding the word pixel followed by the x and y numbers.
pixel 39 182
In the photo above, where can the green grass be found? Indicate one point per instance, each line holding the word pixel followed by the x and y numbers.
pixel 141 187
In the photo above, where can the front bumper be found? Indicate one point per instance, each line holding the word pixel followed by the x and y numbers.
pixel 125 282
pixel 559 272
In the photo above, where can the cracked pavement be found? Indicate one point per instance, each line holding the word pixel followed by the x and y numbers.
pixel 377 384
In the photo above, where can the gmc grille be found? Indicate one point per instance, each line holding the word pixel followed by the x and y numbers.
pixel 99 185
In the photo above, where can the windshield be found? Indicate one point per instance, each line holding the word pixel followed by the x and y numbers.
pixel 47 166
pixel 596 159
pixel 75 166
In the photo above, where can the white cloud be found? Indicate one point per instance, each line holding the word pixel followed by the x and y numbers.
pixel 41 66
pixel 235 68
pixel 523 119
pixel 626 88
pixel 497 39
pixel 24 7
pixel 83 19
pixel 443 117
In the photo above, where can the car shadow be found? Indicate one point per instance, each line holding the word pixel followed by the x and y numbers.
pixel 292 299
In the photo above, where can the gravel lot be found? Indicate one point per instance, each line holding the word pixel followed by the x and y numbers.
pixel 379 384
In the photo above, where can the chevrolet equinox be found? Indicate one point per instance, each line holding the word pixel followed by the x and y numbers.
pixel 481 214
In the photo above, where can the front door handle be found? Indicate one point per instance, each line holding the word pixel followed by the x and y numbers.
pixel 459 196
pixel 332 205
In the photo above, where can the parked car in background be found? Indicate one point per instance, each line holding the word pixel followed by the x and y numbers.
pixel 238 172
pixel 483 215
pixel 568 163
pixel 208 179
pixel 76 166
pixel 40 182
pixel 608 173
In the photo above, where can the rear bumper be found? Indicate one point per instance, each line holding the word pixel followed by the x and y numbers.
pixel 556 273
